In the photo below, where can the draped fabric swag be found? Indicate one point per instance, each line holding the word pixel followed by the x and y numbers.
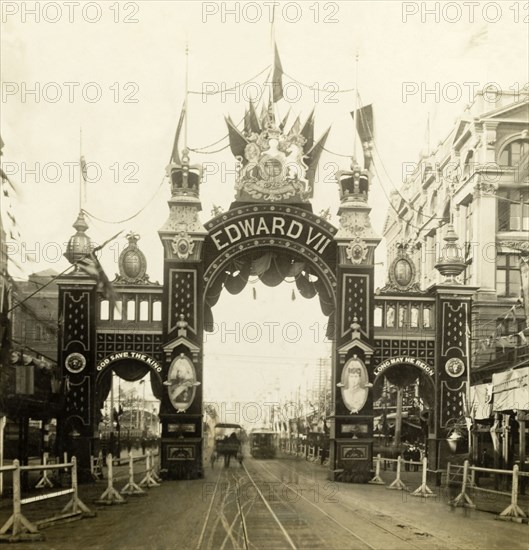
pixel 271 268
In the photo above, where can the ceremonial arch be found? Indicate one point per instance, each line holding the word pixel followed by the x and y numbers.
pixel 269 231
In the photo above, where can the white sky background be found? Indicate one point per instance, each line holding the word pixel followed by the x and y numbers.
pixel 150 54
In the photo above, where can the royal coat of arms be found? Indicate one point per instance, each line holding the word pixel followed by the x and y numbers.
pixel 274 165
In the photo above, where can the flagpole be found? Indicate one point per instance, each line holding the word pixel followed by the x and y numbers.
pixel 356 107
pixel 186 95
pixel 80 169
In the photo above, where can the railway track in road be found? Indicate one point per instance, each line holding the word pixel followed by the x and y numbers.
pixel 366 518
pixel 247 511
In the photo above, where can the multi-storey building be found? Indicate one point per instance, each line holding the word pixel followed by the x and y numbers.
pixel 477 179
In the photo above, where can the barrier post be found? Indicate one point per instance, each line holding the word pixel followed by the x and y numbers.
pixel 44 481
pixel 18 523
pixel 148 480
pixel 377 480
pixel 76 505
pixel 96 466
pixel 513 512
pixel 132 488
pixel 110 495
pixel 462 498
pixel 398 484
pixel 423 490
pixel 154 475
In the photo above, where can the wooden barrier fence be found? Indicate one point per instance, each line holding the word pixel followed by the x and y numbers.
pixel 513 512
pixel 18 527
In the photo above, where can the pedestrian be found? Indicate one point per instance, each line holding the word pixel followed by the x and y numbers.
pixel 143 445
pixel 415 456
pixel 406 455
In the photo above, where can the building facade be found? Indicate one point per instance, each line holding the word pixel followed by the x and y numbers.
pixel 477 179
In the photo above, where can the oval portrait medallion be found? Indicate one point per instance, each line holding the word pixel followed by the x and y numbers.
pixel 181 382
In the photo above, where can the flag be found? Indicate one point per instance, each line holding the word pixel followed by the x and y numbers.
pixel 313 158
pixel 253 120
pixel 308 131
pixel 277 77
pixel 91 266
pixel 84 170
pixel 284 121
pixel 238 142
pixel 364 123
pixel 175 155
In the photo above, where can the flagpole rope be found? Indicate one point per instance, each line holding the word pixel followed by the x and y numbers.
pixel 337 154
pixel 195 92
pixel 131 217
pixel 317 89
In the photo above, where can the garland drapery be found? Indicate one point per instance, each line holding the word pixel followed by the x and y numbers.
pixel 271 268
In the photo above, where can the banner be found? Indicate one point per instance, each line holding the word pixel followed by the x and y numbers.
pixel 511 390
pixel 481 401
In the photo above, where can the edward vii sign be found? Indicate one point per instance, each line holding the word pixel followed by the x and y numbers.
pixel 282 225
pixel 403 360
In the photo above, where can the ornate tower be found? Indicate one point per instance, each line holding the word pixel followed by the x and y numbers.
pixel 76 353
pixel 182 236
pixel 352 429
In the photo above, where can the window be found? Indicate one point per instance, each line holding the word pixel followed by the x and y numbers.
pixel 131 310
pixel 104 313
pixel 116 315
pixel 426 318
pixel 513 210
pixel 157 311
pixel 513 153
pixel 378 316
pixel 508 275
pixel 144 310
pixel 390 317
pixel 403 315
pixel 414 319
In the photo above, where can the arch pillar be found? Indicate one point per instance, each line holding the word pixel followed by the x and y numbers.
pixel 351 437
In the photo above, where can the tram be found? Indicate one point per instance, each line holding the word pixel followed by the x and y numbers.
pixel 263 443
pixel 227 443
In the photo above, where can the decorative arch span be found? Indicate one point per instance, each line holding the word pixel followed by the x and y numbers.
pixel 403 371
pixel 129 369
pixel 270 243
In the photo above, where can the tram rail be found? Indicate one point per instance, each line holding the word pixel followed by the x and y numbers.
pixel 366 517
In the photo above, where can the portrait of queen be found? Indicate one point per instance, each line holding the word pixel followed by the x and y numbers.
pixel 354 384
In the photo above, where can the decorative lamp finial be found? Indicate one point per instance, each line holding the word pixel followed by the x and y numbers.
pixel 451 263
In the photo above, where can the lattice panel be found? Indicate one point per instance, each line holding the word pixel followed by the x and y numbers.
pixel 422 349
pixel 182 298
pixel 454 327
pixel 76 319
pixel 452 401
pixel 148 344
pixel 77 400
pixel 356 303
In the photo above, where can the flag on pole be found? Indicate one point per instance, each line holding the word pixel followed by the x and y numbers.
pixel 364 123
pixel 175 155
pixel 277 77
pixel 91 266
pixel 84 170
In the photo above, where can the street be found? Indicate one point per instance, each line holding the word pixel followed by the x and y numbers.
pixel 282 503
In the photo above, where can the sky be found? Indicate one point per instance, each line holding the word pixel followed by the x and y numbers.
pixel 109 83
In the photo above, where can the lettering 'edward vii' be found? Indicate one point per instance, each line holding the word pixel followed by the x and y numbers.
pixel 277 226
